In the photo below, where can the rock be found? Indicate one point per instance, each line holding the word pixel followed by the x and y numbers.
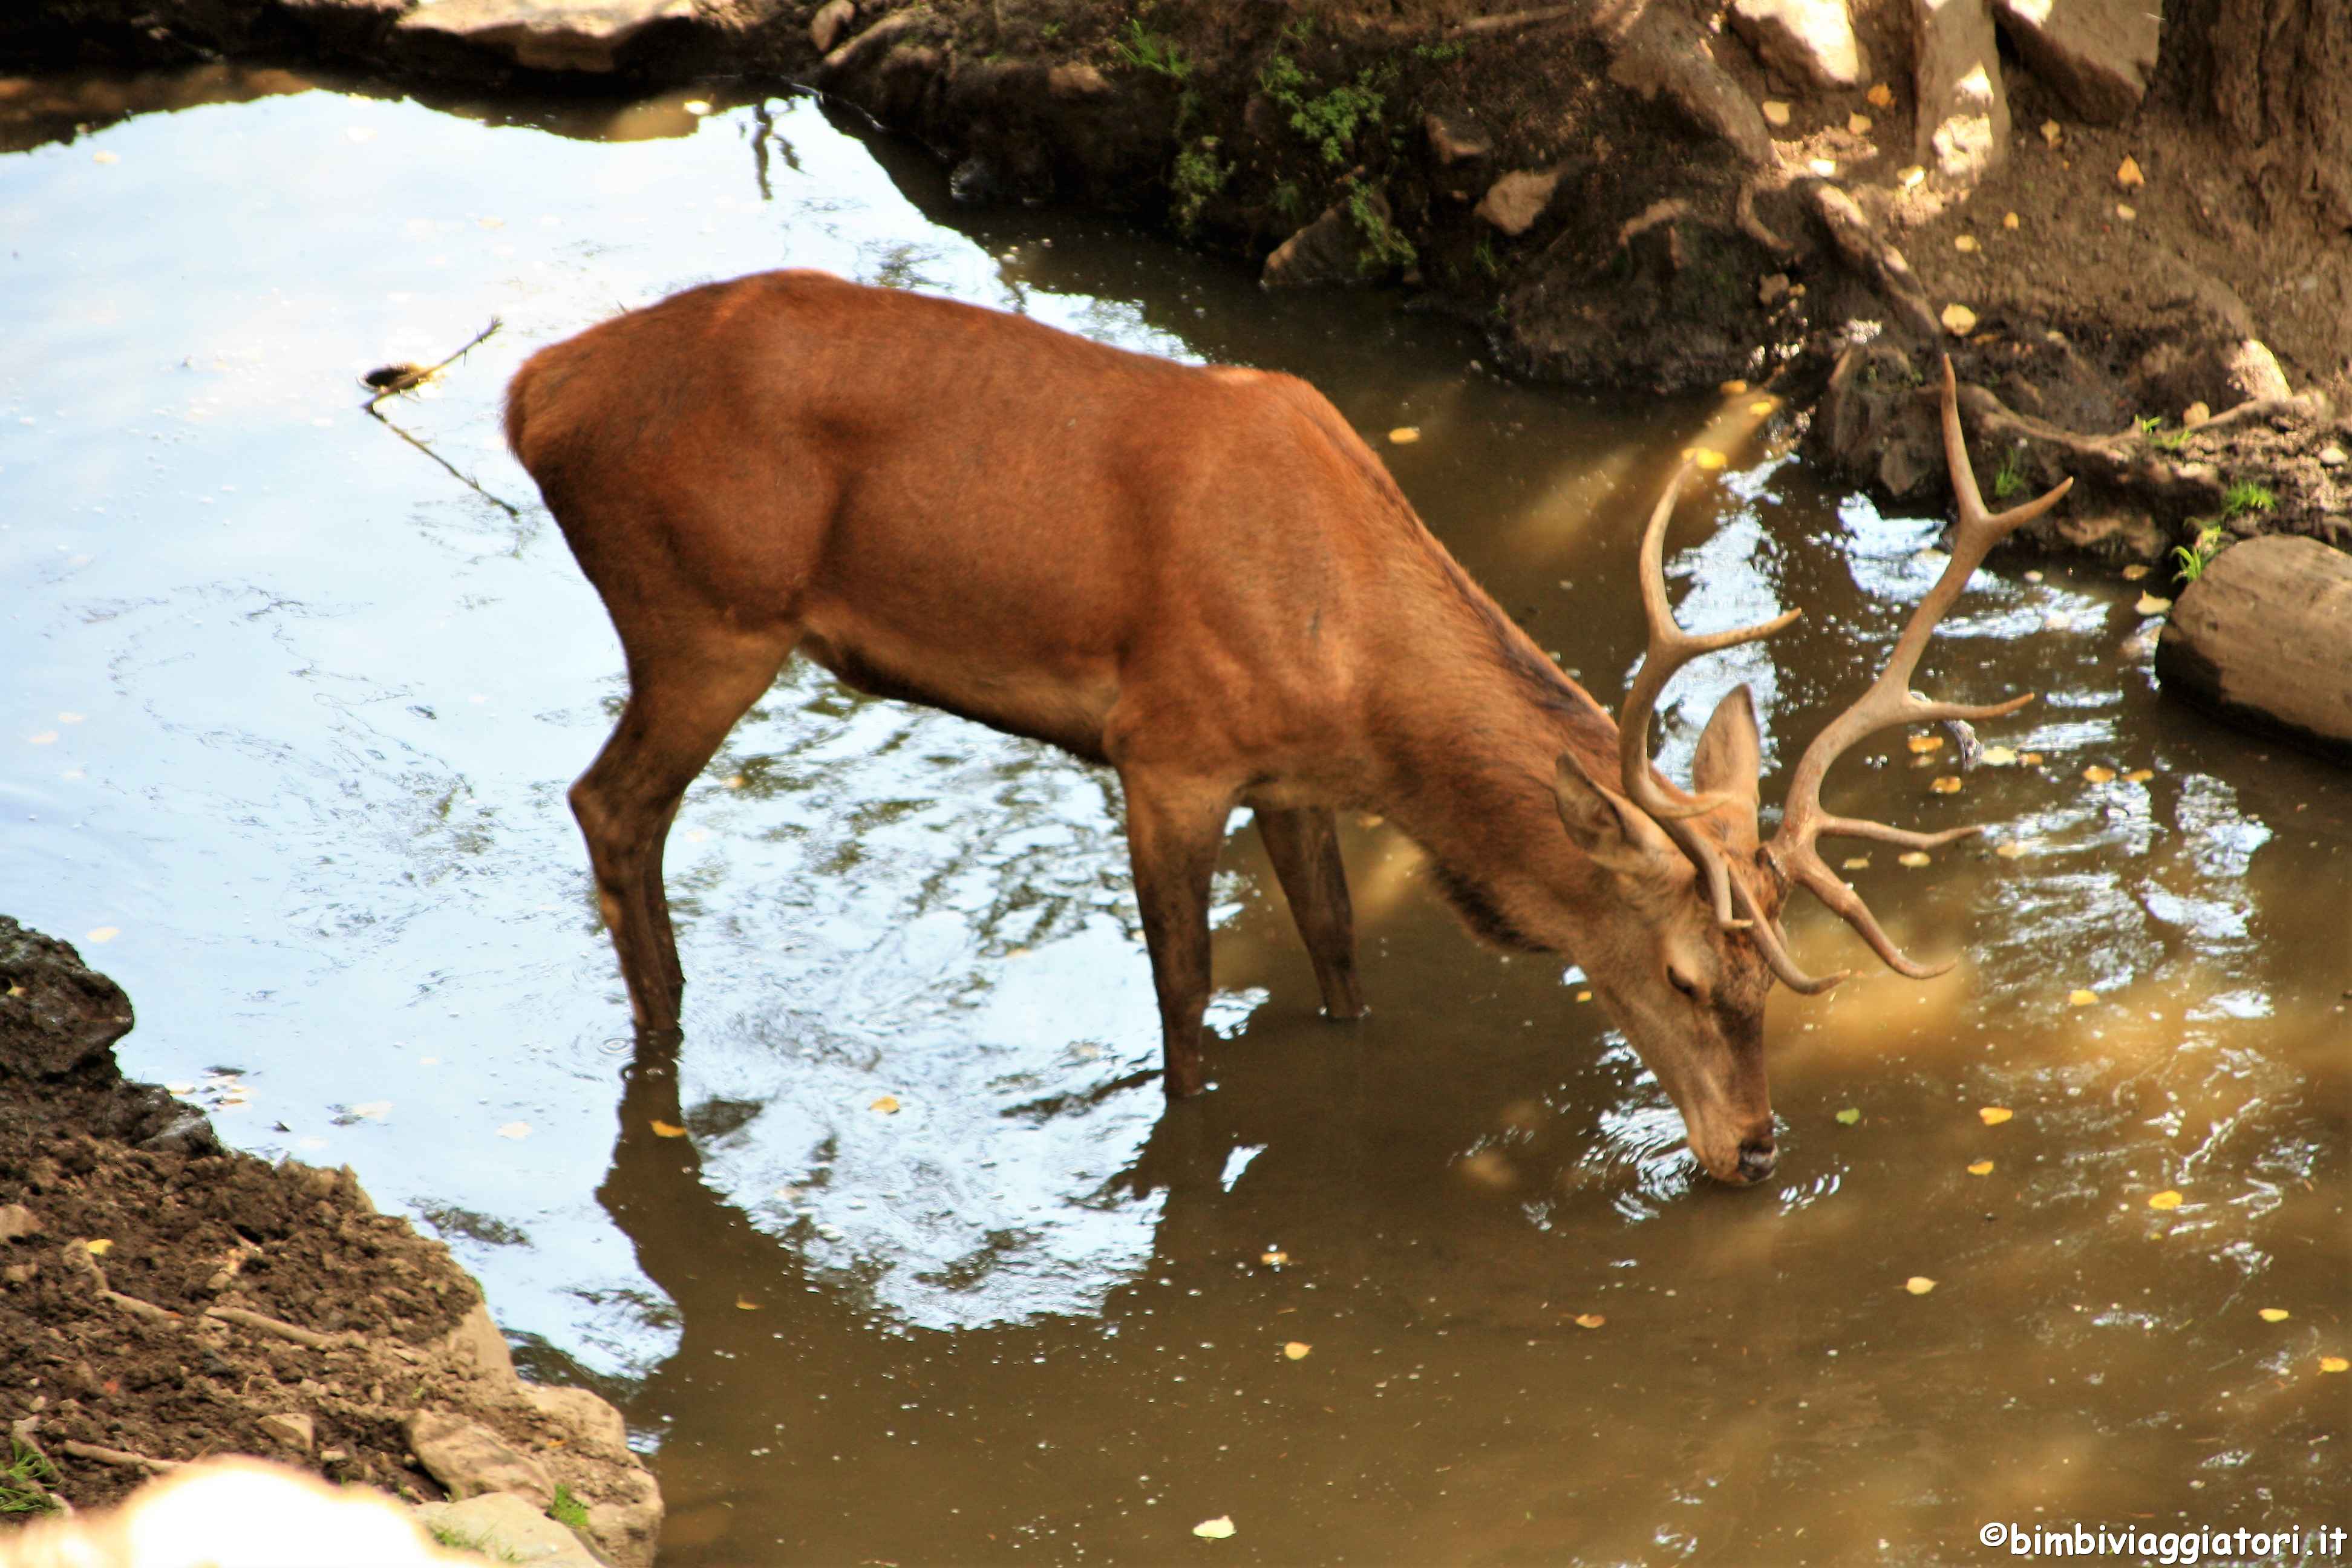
pixel 1455 139
pixel 1963 112
pixel 469 1459
pixel 831 20
pixel 873 43
pixel 581 1414
pixel 2263 638
pixel 16 1221
pixel 476 1345
pixel 1658 51
pixel 579 35
pixel 2251 371
pixel 1069 82
pixel 1871 253
pixel 2218 373
pixel 628 1527
pixel 1809 41
pixel 1768 291
pixel 1328 250
pixel 2097 55
pixel 503 1528
pixel 291 1428
pixel 57 1016
pixel 2331 455
pixel 1513 203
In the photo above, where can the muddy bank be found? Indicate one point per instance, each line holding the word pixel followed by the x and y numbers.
pixel 2121 232
pixel 166 1300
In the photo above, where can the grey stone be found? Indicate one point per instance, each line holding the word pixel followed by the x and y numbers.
pixel 1514 203
pixel 1328 250
pixel 582 1413
pixel 504 1528
pixel 469 1459
pixel 1811 42
pixel 1456 138
pixel 577 36
pixel 2097 55
pixel 476 1346
pixel 2251 371
pixel 1659 52
pixel 1963 110
pixel 628 1527
pixel 831 20
pixel 291 1428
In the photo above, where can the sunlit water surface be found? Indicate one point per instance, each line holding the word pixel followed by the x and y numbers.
pixel 287 705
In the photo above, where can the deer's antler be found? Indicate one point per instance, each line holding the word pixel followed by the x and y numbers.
pixel 1889 702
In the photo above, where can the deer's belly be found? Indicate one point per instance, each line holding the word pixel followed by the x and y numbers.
pixel 1063 708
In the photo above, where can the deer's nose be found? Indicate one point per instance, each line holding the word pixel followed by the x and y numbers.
pixel 1756 1157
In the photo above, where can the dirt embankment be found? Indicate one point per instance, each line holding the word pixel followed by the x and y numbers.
pixel 1654 195
pixel 164 1299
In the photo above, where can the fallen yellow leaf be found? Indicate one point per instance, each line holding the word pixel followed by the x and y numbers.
pixel 2334 1364
pixel 2127 173
pixel 2275 1314
pixel 1776 112
pixel 1948 783
pixel 1965 243
pixel 1919 1284
pixel 745 1304
pixel 2151 605
pixel 1981 1168
pixel 2167 1200
pixel 2097 775
pixel 1762 406
pixel 2081 998
pixel 1854 863
pixel 1881 96
pixel 2029 759
pixel 1584 996
pixel 1733 388
pixel 101 1247
pixel 735 781
pixel 103 934
pixel 887 1105
pixel 1999 757
pixel 1994 1115
pixel 2008 220
pixel 2127 212
pixel 1589 1320
pixel 1958 319
pixel 1912 857
pixel 1217 1529
pixel 1297 1349
pixel 2051 133
pixel 668 1130
pixel 2139 776
pixel 1858 123
pixel 1707 457
pixel 1910 177
pixel 2134 572
pixel 1923 744
pixel 1404 436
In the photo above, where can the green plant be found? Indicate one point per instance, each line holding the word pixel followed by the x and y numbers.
pixel 1049 31
pixel 1197 178
pixel 1440 54
pixel 1383 246
pixel 2246 496
pixel 1299 29
pixel 568 1510
pixel 2145 422
pixel 25 1479
pixel 2009 478
pixel 1289 200
pixel 1151 51
pixel 1482 254
pixel 457 1540
pixel 1328 120
pixel 2194 557
pixel 2172 440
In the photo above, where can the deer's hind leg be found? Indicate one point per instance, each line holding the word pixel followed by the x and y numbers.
pixel 687 688
pixel 1304 845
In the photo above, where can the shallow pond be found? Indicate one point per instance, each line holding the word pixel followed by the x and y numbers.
pixel 291 698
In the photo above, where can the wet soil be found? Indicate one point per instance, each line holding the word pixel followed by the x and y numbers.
pixel 162 1296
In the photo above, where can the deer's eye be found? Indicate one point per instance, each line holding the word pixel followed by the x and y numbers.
pixel 1681 983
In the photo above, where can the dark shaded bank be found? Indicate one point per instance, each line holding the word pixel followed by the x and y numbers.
pixel 166 1299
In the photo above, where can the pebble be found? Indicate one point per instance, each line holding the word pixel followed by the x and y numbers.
pixel 2331 457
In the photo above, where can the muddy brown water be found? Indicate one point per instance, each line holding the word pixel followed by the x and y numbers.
pixel 290 704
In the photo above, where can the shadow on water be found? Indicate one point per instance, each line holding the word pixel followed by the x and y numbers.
pixel 931 1273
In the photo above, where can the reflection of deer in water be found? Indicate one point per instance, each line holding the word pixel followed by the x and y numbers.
pixel 1204 578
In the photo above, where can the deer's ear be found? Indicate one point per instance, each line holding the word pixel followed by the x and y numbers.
pixel 1604 823
pixel 1729 753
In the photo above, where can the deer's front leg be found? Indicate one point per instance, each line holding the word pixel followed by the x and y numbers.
pixel 1174 829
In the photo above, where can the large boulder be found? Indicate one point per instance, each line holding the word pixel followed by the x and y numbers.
pixel 57 1017
pixel 2096 54
pixel 1810 43
pixel 1963 114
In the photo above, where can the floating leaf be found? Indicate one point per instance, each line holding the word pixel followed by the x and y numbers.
pixel 1981 1168
pixel 2127 173
pixel 2081 997
pixel 1881 96
pixel 1588 1320
pixel 1849 1116
pixel 1217 1529
pixel 696 107
pixel 2139 776
pixel 1762 406
pixel 1707 457
pixel 1919 1284
pixel 668 1130
pixel 1297 1349
pixel 1948 783
pixel 887 1105
pixel 1923 744
pixel 1912 857
pixel 1999 757
pixel 2275 1314
pixel 1958 319
pixel 2334 1364
pixel 515 1129
pixel 2029 759
pixel 2134 572
pixel 2097 775
pixel 745 1304
pixel 2167 1200
pixel 1994 1115
pixel 2149 605
pixel 736 781
pixel 106 157
pixel 102 933
pixel 46 738
pixel 1733 388
pixel 1854 863
pixel 1404 436
pixel 1275 1255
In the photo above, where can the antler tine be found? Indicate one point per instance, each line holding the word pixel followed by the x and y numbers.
pixel 1889 702
pixel 1670 647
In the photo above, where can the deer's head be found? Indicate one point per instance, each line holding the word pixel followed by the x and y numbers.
pixel 1686 977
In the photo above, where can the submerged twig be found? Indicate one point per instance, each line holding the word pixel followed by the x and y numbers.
pixel 389 379
pixel 455 472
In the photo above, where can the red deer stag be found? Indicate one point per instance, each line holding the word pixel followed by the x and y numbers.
pixel 1204 578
